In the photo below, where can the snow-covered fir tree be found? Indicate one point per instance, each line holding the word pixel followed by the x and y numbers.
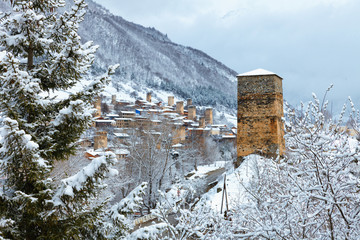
pixel 41 54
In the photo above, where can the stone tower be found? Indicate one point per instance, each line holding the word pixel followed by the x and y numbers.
pixel 180 107
pixel 201 122
pixel 97 105
pixel 100 140
pixel 188 102
pixel 170 100
pixel 260 110
pixel 148 97
pixel 209 116
pixel 113 99
pixel 191 112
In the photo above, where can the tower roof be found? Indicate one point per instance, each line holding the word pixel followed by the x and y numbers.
pixel 257 72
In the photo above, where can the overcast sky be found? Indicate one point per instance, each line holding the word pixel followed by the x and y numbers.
pixel 310 43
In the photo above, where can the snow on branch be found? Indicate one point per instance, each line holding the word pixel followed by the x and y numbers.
pixel 82 184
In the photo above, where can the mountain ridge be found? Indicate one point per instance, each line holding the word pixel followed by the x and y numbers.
pixel 151 60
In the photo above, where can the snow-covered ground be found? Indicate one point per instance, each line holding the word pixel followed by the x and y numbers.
pixel 237 181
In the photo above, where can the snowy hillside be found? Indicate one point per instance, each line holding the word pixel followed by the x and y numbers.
pixel 148 59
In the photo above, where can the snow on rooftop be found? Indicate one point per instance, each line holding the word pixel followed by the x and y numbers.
pixel 257 72
pixel 104 121
pixel 122 152
pixel 127 112
pixel 228 136
pixel 121 135
pixel 177 145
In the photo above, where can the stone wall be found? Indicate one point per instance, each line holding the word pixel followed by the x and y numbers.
pixel 209 116
pixel 192 112
pixel 170 100
pixel 97 105
pixel 180 107
pixel 100 140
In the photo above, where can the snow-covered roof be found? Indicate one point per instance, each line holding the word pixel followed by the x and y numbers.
pixel 122 152
pixel 177 145
pixel 104 121
pixel 99 152
pixel 121 135
pixel 199 129
pixel 124 119
pixel 127 112
pixel 257 72
pixel 218 126
pixel 228 136
pixel 112 115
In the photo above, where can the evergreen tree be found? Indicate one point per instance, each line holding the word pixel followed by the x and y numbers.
pixel 41 54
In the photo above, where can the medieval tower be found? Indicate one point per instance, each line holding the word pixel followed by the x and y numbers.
pixel 209 116
pixel 260 112
pixel 170 100
pixel 97 105
pixel 100 140
pixel 180 107
pixel 148 97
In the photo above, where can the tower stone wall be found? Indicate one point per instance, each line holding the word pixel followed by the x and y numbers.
pixel 171 100
pixel 209 116
pixel 260 112
pixel 202 122
pixel 180 134
pixel 180 107
pixel 148 97
pixel 189 102
pixel 100 140
pixel 191 112
pixel 97 106
pixel 113 99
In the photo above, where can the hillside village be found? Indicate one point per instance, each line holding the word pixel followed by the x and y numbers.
pixel 160 170
pixel 187 123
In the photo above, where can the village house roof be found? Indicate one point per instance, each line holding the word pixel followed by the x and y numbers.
pixel 124 119
pixel 122 152
pixel 104 121
pixel 112 115
pixel 127 112
pixel 122 135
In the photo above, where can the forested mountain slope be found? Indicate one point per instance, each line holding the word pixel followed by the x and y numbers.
pixel 150 59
